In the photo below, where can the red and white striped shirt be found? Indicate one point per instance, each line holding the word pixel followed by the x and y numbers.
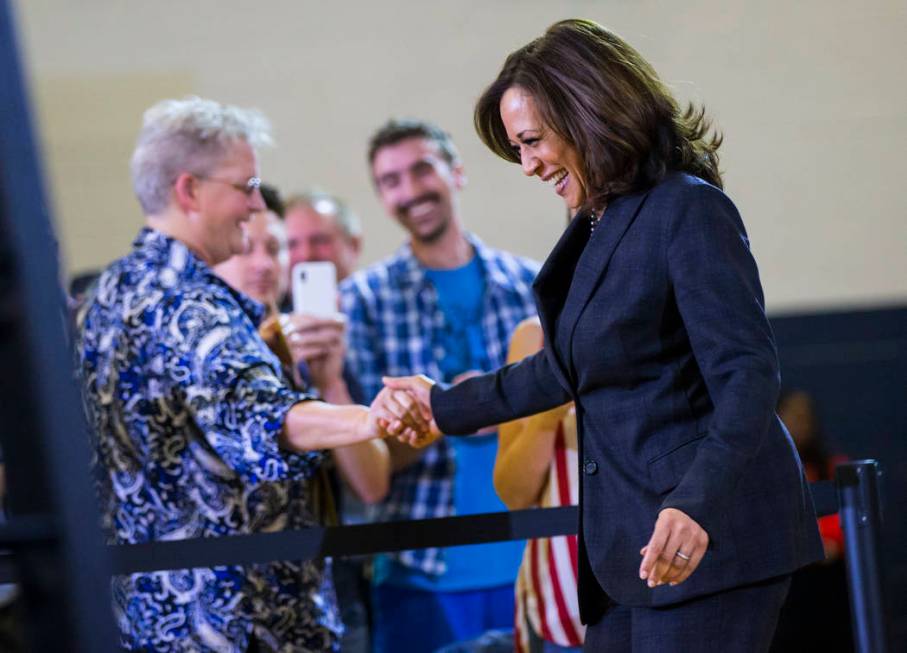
pixel 546 596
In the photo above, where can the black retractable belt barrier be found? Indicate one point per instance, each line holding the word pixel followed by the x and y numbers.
pixel 363 539
pixel 861 518
pixel 367 539
pixel 854 495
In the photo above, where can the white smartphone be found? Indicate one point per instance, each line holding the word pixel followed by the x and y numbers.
pixel 315 288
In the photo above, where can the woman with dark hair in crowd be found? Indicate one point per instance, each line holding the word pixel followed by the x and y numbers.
pixel 694 507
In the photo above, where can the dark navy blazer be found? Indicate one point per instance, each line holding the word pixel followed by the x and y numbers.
pixel 655 326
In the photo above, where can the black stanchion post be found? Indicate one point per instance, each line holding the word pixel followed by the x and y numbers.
pixel 61 566
pixel 858 493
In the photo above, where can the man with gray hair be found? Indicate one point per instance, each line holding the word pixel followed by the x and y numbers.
pixel 320 227
pixel 196 432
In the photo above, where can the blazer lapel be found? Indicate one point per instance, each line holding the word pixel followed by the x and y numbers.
pixel 592 266
pixel 551 285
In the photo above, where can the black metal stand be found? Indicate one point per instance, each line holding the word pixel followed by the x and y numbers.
pixel 60 564
pixel 861 519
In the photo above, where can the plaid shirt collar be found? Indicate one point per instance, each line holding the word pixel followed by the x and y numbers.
pixel 412 272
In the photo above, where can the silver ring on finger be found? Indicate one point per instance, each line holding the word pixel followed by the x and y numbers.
pixel 682 556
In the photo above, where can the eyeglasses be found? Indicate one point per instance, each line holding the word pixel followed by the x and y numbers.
pixel 248 188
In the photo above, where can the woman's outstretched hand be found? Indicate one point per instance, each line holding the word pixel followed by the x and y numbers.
pixel 675 549
pixel 419 388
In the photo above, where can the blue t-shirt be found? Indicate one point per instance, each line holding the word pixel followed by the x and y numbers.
pixel 461 293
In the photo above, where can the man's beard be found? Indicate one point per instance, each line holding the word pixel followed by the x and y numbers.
pixel 435 234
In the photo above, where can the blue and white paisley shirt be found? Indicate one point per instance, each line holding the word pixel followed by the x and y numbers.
pixel 186 403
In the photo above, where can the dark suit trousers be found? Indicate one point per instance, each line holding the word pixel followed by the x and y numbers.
pixel 739 620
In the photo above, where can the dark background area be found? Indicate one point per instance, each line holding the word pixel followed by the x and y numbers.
pixel 854 364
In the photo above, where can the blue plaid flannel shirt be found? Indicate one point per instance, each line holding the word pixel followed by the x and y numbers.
pixel 395 326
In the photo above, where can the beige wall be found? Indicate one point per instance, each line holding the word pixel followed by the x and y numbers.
pixel 811 96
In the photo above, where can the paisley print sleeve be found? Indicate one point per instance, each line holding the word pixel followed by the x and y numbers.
pixel 233 389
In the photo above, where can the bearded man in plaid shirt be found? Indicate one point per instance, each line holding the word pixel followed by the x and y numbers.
pixel 443 305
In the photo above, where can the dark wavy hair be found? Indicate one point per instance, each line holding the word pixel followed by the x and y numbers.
pixel 600 96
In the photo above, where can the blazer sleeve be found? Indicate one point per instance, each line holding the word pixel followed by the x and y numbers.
pixel 719 297
pixel 514 391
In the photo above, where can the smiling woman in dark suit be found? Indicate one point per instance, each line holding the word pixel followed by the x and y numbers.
pixel 694 507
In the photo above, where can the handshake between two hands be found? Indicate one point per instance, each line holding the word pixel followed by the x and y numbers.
pixel 675 549
pixel 403 410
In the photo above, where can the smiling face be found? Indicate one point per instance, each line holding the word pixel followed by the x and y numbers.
pixel 314 236
pixel 223 204
pixel 259 271
pixel 417 185
pixel 542 152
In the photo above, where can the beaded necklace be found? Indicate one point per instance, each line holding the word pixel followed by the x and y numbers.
pixel 594 218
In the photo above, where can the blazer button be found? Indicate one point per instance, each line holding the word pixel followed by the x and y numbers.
pixel 590 467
